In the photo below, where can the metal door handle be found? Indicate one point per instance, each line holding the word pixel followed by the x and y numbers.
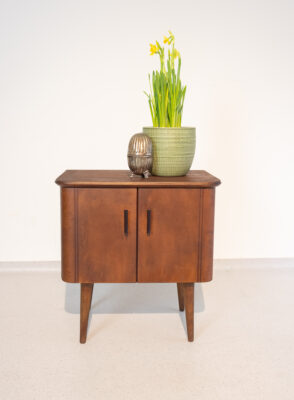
pixel 148 222
pixel 126 222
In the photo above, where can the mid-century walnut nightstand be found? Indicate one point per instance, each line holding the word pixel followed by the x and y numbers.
pixel 121 229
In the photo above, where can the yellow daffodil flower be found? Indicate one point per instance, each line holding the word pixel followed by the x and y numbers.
pixel 168 39
pixel 171 37
pixel 153 49
pixel 176 53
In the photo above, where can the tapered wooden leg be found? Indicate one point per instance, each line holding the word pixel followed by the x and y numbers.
pixel 189 308
pixel 86 299
pixel 181 296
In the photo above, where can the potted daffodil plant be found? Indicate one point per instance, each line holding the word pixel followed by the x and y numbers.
pixel 173 145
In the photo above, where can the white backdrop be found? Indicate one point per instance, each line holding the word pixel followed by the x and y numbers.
pixel 72 75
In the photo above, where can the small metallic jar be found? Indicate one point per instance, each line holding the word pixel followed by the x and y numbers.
pixel 140 155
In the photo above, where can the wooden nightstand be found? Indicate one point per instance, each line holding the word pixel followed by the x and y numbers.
pixel 121 229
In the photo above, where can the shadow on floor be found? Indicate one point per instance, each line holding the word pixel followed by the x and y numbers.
pixel 127 298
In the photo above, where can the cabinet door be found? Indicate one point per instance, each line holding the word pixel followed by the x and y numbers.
pixel 106 235
pixel 168 235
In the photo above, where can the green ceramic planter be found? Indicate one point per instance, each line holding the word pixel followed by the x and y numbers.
pixel 173 150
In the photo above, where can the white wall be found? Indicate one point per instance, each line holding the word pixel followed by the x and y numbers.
pixel 72 75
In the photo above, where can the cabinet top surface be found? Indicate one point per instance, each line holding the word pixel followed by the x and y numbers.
pixel 121 178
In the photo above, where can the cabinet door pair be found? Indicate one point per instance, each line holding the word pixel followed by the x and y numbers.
pixel 144 234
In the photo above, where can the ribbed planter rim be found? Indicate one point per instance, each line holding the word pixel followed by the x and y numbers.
pixel 170 127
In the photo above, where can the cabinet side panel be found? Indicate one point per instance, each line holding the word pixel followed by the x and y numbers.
pixel 68 258
pixel 206 263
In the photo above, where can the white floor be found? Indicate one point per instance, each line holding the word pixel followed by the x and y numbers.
pixel 137 346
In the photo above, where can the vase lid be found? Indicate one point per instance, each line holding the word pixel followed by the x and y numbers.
pixel 140 145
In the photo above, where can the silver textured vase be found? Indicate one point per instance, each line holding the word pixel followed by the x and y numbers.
pixel 140 155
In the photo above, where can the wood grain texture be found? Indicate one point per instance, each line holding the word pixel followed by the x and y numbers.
pixel 207 234
pixel 189 308
pixel 104 252
pixel 121 178
pixel 170 252
pixel 181 296
pixel 86 299
pixel 68 256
